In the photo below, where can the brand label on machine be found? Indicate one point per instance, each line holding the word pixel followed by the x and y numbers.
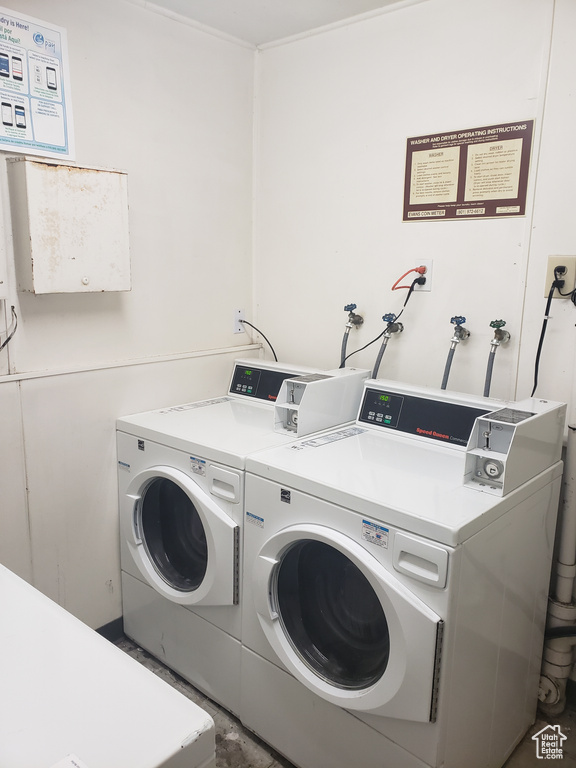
pixel 317 442
pixel 197 466
pixel 193 406
pixel 254 519
pixel 123 465
pixel 375 534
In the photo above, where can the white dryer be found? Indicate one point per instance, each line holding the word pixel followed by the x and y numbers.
pixel 181 494
pixel 395 581
pixel 70 699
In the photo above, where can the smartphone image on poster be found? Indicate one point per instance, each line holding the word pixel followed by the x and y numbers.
pixel 16 67
pixel 4 65
pixel 51 78
pixel 20 115
pixel 7 113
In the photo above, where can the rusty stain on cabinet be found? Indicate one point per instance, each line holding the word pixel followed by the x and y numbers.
pixel 70 227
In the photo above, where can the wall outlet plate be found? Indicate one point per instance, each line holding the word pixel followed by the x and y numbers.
pixel 238 326
pixel 569 277
pixel 428 284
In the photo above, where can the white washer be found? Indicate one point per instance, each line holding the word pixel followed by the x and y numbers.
pixel 70 699
pixel 395 582
pixel 181 504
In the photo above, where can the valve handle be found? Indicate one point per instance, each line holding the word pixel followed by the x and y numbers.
pixel 350 307
pixel 497 324
pixel 389 318
pixel 458 320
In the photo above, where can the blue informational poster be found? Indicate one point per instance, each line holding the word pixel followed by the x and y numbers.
pixel 34 87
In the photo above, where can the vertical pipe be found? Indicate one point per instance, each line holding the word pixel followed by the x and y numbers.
pixel 567 530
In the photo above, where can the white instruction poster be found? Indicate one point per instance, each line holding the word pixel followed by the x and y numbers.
pixel 34 87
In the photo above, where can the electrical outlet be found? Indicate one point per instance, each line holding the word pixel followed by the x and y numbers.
pixel 238 316
pixel 428 275
pixel 569 276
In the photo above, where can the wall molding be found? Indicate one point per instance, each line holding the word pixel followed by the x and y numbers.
pixel 129 363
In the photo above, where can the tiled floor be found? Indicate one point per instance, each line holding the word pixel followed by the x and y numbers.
pixel 238 748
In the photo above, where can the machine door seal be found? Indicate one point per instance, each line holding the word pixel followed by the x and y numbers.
pixel 345 626
pixel 183 544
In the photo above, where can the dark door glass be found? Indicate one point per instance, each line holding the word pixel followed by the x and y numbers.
pixel 332 615
pixel 173 535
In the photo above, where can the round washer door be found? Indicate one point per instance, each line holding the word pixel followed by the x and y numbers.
pixel 183 544
pixel 345 626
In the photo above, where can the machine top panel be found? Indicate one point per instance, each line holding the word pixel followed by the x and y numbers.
pixel 387 470
pixel 447 422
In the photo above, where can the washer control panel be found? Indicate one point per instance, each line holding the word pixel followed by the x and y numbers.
pixel 503 444
pixel 257 383
pixel 424 417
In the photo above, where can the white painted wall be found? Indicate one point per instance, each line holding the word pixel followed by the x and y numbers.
pixel 335 110
pixel 14 528
pixel 553 224
pixel 69 432
pixel 173 107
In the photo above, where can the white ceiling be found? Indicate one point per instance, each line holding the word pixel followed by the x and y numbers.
pixel 262 21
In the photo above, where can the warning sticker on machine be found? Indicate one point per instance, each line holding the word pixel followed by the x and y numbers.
pixel 332 437
pixel 254 519
pixel 193 406
pixel 375 534
pixel 197 466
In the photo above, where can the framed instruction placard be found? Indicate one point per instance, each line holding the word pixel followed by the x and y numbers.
pixel 34 87
pixel 470 174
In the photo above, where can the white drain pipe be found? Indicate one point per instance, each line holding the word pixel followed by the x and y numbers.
pixel 559 651
pixel 566 563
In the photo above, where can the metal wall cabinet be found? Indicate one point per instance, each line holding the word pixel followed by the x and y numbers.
pixel 70 227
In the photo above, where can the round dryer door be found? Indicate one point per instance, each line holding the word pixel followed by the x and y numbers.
pixel 345 626
pixel 173 534
pixel 183 544
pixel 332 615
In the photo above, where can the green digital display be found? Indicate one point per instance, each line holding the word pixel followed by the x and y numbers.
pixel 385 398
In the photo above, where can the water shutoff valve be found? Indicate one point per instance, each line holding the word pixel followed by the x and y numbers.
pixel 392 325
pixel 354 320
pixel 460 333
pixel 500 336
